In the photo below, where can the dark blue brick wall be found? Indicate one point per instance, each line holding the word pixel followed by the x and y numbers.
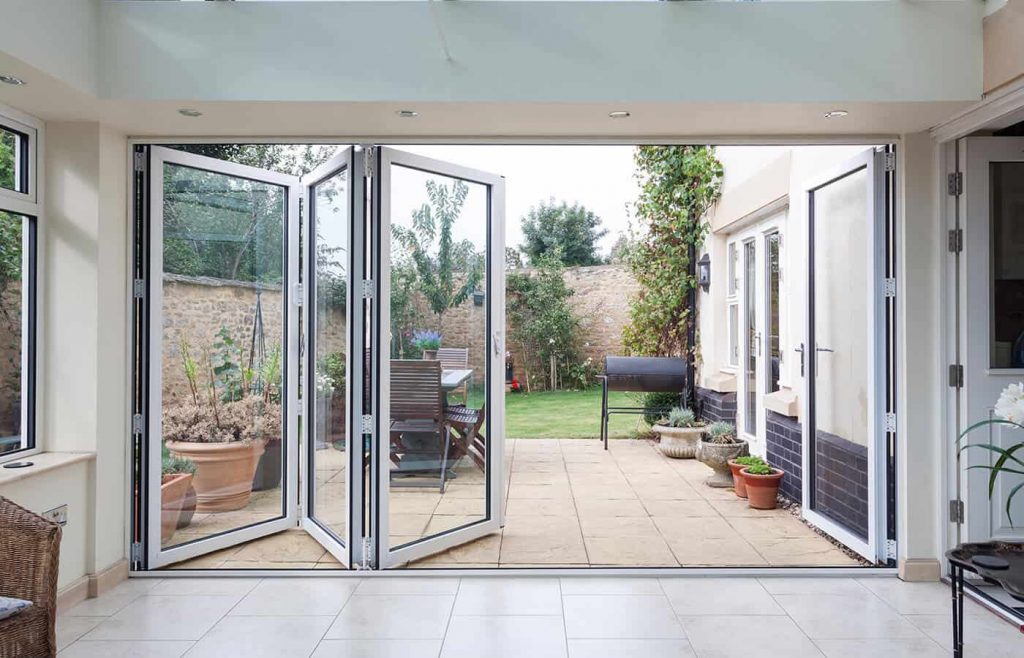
pixel 785 450
pixel 714 406
pixel 841 485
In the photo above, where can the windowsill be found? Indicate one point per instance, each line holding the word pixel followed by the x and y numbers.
pixel 42 462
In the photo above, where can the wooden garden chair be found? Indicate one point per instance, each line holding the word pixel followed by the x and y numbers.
pixel 466 424
pixel 417 409
pixel 456 358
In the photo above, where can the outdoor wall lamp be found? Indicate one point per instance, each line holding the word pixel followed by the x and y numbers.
pixel 704 272
pixel 478 298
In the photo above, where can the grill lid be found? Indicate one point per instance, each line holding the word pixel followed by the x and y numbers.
pixel 645 374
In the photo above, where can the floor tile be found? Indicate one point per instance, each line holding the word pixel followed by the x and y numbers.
pixel 126 649
pixel 738 636
pixel 190 586
pixel 70 629
pixel 262 637
pixel 290 546
pixel 508 596
pixel 628 616
pixel 164 618
pixel 618 526
pixel 114 600
pixel 407 586
pixel 984 634
pixel 420 617
pixel 808 585
pixel 590 507
pixel 528 508
pixel 297 596
pixel 378 649
pixel 715 553
pixel 625 551
pixel 796 552
pixel 719 596
pixel 630 649
pixel 610 586
pixel 505 637
pixel 830 616
pixel 910 648
pixel 911 598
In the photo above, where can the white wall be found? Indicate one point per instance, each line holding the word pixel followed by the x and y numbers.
pixel 58 37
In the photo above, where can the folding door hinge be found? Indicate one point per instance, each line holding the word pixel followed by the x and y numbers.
pixel 890 422
pixel 366 426
pixel 890 549
pixel 139 161
pixel 956 511
pixel 367 562
pixel 956 375
pixel 956 240
pixel 368 289
pixel 138 423
pixel 955 183
pixel 890 162
pixel 890 287
pixel 136 551
pixel 139 288
pixel 299 294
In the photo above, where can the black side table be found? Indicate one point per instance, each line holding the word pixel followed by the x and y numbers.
pixel 997 562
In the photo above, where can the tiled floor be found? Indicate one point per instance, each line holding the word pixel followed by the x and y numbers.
pixel 537 617
pixel 570 503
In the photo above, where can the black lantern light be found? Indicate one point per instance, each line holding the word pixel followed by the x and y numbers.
pixel 704 272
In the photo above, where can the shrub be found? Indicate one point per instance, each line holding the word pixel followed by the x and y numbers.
pixel 242 420
pixel 681 417
pixel 658 403
pixel 750 460
pixel 722 432
pixel 171 465
pixel 426 339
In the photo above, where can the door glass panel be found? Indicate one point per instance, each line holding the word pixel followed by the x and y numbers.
pixel 439 354
pixel 329 345
pixel 222 353
pixel 772 278
pixel 840 388
pixel 751 336
pixel 1007 217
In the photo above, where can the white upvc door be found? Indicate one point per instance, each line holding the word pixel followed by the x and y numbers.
pixel 844 460
pixel 408 185
pixel 193 199
pixel 991 322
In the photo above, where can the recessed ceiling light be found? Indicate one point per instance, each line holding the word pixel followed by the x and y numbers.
pixel 11 80
pixel 189 112
pixel 407 114
pixel 836 114
pixel 619 114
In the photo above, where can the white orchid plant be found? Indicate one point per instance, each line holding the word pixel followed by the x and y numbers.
pixel 1009 410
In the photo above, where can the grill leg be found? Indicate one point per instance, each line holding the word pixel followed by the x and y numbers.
pixel 604 413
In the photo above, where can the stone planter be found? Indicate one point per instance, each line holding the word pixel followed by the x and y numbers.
pixel 716 456
pixel 173 488
pixel 678 442
pixel 763 490
pixel 224 472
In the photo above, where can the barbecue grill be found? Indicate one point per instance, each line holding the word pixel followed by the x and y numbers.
pixel 640 374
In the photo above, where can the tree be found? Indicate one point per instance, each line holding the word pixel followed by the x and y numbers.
pixel 569 233
pixel 541 322
pixel 620 250
pixel 513 259
pixel 436 256
pixel 678 186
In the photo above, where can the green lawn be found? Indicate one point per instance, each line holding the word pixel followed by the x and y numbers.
pixel 567 415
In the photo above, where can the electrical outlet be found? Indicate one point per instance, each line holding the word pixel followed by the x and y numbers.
pixel 58 515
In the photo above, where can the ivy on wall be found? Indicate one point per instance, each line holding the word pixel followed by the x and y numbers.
pixel 678 185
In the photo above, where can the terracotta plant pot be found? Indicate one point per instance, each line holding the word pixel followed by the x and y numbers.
pixel 739 485
pixel 173 488
pixel 678 442
pixel 716 456
pixel 763 490
pixel 188 508
pixel 224 472
pixel 430 355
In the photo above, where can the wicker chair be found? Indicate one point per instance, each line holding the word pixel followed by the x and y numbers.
pixel 29 554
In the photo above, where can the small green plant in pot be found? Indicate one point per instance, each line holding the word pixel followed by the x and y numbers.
pixel 679 433
pixel 762 482
pixel 427 341
pixel 736 466
pixel 716 449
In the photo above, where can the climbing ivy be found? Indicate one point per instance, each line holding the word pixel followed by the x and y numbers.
pixel 678 185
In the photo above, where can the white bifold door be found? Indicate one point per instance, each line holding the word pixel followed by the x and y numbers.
pixel 991 326
pixel 288 314
pixel 849 302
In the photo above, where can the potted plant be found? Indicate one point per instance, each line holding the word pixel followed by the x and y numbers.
pixel 679 433
pixel 175 482
pixel 719 445
pixel 736 466
pixel 223 429
pixel 762 482
pixel 265 382
pixel 428 342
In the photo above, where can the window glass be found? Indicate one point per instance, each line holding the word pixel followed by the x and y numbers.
pixel 774 345
pixel 734 329
pixel 733 274
pixel 16 250
pixel 1007 217
pixel 13 149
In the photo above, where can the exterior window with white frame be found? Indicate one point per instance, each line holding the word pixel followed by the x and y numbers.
pixel 733 304
pixel 18 214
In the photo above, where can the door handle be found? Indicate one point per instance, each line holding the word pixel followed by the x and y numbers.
pixel 818 350
pixel 824 349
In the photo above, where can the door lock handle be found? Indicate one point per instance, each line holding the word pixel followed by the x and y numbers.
pixel 824 349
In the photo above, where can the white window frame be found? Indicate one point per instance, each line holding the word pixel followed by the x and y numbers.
pixel 28 203
pixel 732 308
